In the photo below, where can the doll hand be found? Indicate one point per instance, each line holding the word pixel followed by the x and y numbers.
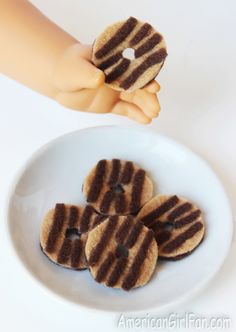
pixel 80 86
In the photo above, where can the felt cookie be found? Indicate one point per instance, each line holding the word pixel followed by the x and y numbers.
pixel 63 234
pixel 178 225
pixel 121 253
pixel 129 73
pixel 117 187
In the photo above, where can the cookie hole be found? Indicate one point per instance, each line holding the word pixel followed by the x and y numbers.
pixel 121 251
pixel 168 227
pixel 117 189
pixel 73 234
pixel 128 53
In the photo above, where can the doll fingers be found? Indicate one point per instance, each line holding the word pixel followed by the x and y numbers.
pixel 147 102
pixel 152 87
pixel 131 111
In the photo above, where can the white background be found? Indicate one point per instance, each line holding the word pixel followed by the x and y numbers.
pixel 198 109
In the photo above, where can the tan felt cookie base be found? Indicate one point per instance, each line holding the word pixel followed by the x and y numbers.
pixel 148 75
pixel 147 266
pixel 54 254
pixel 187 246
pixel 146 192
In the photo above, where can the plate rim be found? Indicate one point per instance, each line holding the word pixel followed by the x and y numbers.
pixel 47 290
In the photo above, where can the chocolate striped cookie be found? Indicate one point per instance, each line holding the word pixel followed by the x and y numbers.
pixel 117 187
pixel 178 225
pixel 63 234
pixel 121 253
pixel 149 54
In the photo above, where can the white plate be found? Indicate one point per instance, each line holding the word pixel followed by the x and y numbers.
pixel 56 172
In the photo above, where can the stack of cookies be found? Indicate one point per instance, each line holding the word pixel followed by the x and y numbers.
pixel 123 230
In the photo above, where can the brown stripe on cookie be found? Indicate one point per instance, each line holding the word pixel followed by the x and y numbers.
pixel 119 70
pixel 148 45
pixel 134 273
pixel 117 271
pixel 65 251
pixel 57 225
pixel 136 195
pixel 86 218
pixel 115 172
pixel 104 267
pixel 187 219
pixel 110 61
pixel 106 201
pixel 120 203
pixel 157 226
pixel 133 235
pixel 104 240
pixel 73 216
pixel 121 34
pixel 97 220
pixel 177 212
pixel 181 238
pixel 150 61
pixel 123 230
pixel 162 237
pixel 127 172
pixel 163 208
pixel 142 32
pixel 96 185
pixel 178 257
pixel 76 252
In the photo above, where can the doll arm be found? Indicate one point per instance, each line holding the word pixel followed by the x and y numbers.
pixel 39 54
pixel 31 45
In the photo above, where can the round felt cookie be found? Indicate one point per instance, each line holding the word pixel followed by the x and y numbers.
pixel 178 225
pixel 123 73
pixel 63 234
pixel 117 187
pixel 121 253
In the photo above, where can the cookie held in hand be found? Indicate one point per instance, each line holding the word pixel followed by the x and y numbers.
pixel 128 73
